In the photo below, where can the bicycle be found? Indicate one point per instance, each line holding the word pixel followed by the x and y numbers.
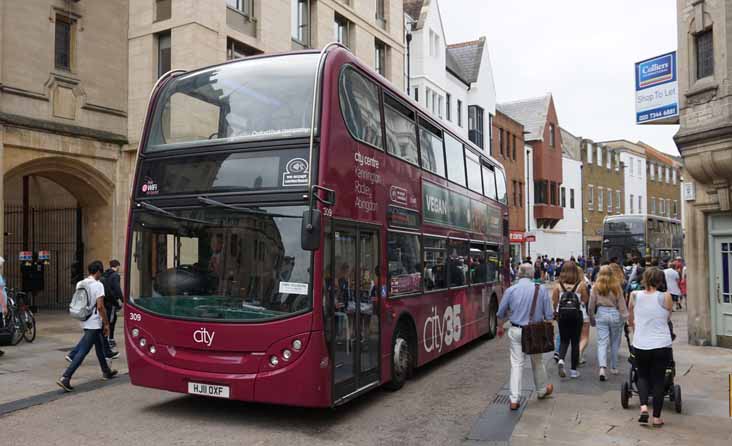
pixel 23 323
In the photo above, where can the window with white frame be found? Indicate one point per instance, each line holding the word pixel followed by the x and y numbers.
pixel 673 176
pixel 589 153
pixel 599 155
pixel 640 204
pixel 640 168
pixel 609 159
pixel 653 206
pixel 300 21
pixel 618 201
pixel 448 106
pixel 630 166
pixel 244 6
pixel 342 30
pixel 662 206
pixel 600 199
pixel 427 97
pixel 610 201
pixel 380 50
pixel 434 102
pixel 590 197
pixel 631 203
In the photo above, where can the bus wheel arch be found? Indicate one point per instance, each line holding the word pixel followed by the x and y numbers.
pixel 403 361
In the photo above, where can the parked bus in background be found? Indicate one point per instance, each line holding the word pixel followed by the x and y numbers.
pixel 642 236
pixel 301 232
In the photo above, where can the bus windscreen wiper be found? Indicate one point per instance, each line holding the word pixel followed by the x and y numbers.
pixel 157 210
pixel 243 210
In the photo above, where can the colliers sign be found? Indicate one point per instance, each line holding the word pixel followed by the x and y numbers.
pixel 656 90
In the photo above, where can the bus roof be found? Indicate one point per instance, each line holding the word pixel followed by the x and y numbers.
pixel 635 216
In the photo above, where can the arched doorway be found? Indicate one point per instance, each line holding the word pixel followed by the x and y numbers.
pixel 63 206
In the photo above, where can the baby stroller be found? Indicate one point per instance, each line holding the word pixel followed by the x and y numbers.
pixel 630 387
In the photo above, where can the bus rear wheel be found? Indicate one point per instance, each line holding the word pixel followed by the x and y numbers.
pixel 492 318
pixel 401 358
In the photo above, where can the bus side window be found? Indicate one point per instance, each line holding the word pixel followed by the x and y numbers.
pixel 478 267
pixel 433 152
pixel 401 130
pixel 359 98
pixel 492 264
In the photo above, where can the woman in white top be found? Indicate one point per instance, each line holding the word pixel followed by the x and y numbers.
pixel 650 311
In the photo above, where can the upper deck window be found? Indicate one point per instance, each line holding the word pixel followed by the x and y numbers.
pixel 262 98
pixel 433 154
pixel 360 106
pixel 401 131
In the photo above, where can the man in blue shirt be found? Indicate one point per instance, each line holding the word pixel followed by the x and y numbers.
pixel 515 306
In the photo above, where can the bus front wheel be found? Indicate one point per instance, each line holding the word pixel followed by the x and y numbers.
pixel 401 358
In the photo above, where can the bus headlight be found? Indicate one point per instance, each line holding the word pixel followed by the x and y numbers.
pixel 273 361
pixel 143 342
pixel 135 332
pixel 286 354
pixel 297 344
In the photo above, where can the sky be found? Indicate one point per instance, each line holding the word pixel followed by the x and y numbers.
pixel 582 51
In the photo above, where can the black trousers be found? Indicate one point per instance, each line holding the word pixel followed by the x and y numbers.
pixel 112 318
pixel 570 329
pixel 651 366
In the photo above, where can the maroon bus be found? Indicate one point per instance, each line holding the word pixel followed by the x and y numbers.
pixel 301 232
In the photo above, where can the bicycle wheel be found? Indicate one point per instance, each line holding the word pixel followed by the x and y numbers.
pixel 29 323
pixel 18 329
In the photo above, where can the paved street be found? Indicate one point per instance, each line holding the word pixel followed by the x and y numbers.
pixel 441 406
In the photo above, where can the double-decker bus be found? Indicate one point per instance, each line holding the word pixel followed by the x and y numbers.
pixel 301 232
pixel 641 236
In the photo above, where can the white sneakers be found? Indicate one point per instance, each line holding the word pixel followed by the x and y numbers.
pixel 560 366
pixel 574 374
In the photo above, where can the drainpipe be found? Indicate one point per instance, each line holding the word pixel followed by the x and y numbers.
pixel 409 63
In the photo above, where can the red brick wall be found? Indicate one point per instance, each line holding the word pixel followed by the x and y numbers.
pixel 514 166
pixel 548 164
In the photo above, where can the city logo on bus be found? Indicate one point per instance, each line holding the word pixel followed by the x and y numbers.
pixel 296 173
pixel 442 330
pixel 150 187
pixel 202 336
pixel 398 195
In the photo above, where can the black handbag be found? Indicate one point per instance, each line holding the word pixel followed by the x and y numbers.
pixel 537 337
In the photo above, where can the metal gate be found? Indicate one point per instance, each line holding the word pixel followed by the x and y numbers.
pixel 55 230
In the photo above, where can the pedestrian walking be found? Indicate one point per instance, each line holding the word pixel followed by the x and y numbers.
pixel 673 277
pixel 96 327
pixel 569 296
pixel 650 312
pixel 112 297
pixel 3 298
pixel 608 299
pixel 516 306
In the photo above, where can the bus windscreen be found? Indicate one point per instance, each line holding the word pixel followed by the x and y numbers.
pixel 220 264
pixel 260 98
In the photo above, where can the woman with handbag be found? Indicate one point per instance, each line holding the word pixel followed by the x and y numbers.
pixel 569 297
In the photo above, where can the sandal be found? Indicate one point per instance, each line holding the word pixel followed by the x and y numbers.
pixel 655 424
pixel 643 417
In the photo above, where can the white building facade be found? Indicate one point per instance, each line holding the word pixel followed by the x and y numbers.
pixel 565 239
pixel 633 159
pixel 453 82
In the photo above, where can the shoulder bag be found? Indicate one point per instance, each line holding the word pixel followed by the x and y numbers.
pixel 537 337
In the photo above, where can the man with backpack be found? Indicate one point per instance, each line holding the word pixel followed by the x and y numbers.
pixel 112 297
pixel 87 305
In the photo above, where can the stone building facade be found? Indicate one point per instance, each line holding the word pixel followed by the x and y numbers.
pixel 704 140
pixel 508 148
pixel 72 114
pixel 602 189
pixel 63 128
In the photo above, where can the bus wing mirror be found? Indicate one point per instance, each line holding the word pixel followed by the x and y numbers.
pixel 310 230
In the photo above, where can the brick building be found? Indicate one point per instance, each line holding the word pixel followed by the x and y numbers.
pixel 663 183
pixel 508 148
pixel 543 167
pixel 602 187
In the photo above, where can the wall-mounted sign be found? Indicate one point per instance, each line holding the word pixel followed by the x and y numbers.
pixel 656 90
pixel 516 237
pixel 689 191
pixel 25 256
pixel 530 238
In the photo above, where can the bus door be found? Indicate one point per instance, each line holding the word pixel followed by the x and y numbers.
pixel 354 319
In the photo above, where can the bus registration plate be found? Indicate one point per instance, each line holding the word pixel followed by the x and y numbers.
pixel 208 390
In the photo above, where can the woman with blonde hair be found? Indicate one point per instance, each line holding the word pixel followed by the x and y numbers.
pixel 608 297
pixel 568 297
